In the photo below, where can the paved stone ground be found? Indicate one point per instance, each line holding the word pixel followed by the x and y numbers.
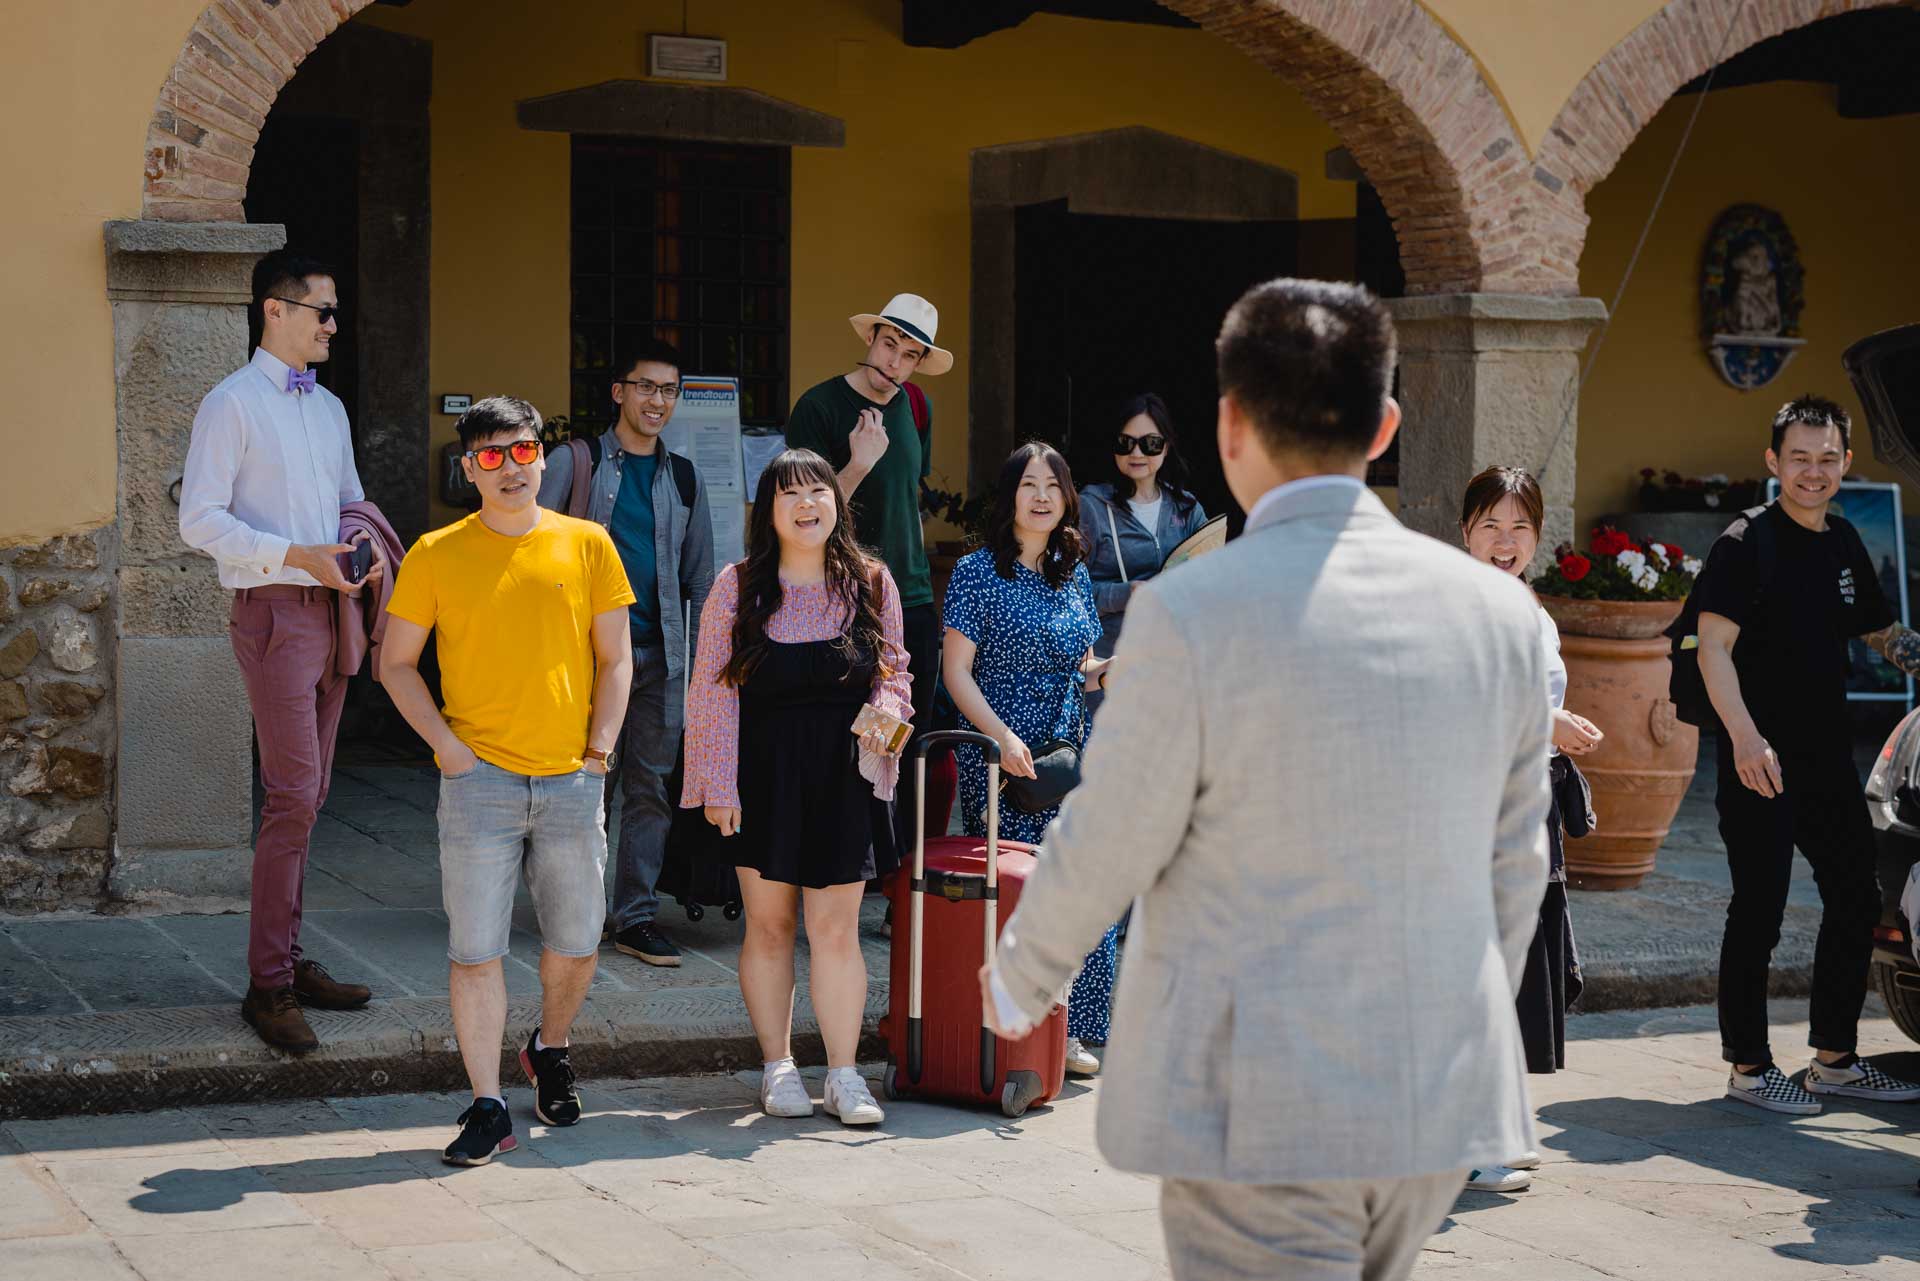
pixel 99 1013
pixel 1650 1173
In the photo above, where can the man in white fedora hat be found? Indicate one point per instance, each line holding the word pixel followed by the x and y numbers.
pixel 878 440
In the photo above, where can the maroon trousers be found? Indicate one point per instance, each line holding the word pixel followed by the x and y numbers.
pixel 284 639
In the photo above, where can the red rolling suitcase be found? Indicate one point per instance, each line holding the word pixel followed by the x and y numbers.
pixel 952 902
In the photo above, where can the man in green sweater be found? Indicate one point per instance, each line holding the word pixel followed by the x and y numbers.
pixel 863 424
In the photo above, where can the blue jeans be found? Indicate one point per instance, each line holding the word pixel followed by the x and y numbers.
pixel 649 744
pixel 495 824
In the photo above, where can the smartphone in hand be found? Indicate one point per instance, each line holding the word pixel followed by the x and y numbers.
pixel 896 730
pixel 359 561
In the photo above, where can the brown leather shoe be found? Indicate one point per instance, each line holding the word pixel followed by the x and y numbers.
pixel 275 1015
pixel 315 987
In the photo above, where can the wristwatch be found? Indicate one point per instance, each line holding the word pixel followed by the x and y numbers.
pixel 604 757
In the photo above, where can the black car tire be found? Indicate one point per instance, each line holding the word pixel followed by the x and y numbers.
pixel 1903 1003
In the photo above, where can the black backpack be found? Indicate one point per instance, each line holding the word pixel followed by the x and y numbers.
pixel 1686 688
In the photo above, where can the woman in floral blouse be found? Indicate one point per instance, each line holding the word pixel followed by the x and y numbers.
pixel 794 639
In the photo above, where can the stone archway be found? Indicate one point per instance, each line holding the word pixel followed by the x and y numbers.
pixel 1628 86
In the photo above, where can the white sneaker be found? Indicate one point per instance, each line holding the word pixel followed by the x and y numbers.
pixel 1859 1080
pixel 1773 1090
pixel 1528 1160
pixel 1499 1178
pixel 1080 1060
pixel 782 1092
pixel 848 1098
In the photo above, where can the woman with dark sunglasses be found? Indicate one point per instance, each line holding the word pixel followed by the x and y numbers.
pixel 1131 525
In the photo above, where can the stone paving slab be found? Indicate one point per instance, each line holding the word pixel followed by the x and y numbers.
pixel 101 1012
pixel 1649 1173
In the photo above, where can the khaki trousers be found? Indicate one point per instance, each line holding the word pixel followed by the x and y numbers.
pixel 1349 1230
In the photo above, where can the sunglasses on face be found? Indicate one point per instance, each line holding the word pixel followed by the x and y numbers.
pixel 1152 446
pixel 646 388
pixel 328 313
pixel 494 457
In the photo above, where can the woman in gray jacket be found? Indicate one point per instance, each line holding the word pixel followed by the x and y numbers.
pixel 1131 525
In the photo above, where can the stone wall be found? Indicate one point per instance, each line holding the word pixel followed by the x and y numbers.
pixel 57 729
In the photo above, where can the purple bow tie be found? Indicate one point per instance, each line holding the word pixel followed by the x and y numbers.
pixel 300 380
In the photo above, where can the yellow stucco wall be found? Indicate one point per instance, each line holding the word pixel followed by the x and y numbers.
pixel 85 77
pixel 888 212
pixel 1535 52
pixel 1654 400
pixel 78 81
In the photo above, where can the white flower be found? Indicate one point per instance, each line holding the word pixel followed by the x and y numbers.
pixel 1646 578
pixel 1659 555
pixel 1633 560
pixel 1691 566
pixel 1718 478
pixel 1713 500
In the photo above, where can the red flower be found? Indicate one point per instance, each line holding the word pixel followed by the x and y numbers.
pixel 1609 542
pixel 1574 566
pixel 1674 554
pixel 1646 473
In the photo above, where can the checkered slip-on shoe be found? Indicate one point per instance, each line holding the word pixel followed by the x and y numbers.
pixel 1773 1090
pixel 1859 1079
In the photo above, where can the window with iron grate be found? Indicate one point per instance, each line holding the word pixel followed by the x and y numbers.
pixel 686 242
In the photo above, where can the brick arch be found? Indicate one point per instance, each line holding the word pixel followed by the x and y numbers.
pixel 1628 86
pixel 1419 118
pixel 216 98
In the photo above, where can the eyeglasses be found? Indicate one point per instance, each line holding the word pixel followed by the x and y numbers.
pixel 1152 446
pixel 328 313
pixel 494 457
pixel 646 387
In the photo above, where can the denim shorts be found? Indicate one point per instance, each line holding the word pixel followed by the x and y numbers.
pixel 495 824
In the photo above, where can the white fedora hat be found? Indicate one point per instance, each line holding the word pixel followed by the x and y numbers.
pixel 915 317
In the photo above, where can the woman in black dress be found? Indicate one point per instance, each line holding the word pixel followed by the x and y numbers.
pixel 793 641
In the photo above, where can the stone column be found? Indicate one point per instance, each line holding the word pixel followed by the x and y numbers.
pixel 185 779
pixel 1488 379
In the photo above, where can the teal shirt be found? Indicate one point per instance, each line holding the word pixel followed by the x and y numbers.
pixel 886 507
pixel 633 533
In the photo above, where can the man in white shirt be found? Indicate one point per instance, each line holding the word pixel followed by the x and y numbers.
pixel 268 467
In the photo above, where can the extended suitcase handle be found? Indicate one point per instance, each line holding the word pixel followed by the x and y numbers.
pixel 991 750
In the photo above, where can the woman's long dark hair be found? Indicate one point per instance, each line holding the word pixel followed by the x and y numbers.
pixel 1173 472
pixel 1065 547
pixel 850 572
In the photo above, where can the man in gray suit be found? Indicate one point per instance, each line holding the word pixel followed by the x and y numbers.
pixel 1323 766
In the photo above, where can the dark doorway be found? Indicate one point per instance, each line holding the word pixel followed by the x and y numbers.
pixel 1107 307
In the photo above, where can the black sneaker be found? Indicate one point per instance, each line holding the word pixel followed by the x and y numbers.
pixel 485 1128
pixel 555 1101
pixel 647 942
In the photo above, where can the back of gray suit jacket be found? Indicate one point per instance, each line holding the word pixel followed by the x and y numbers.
pixel 1323 763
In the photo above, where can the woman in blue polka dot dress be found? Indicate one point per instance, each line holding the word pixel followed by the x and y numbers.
pixel 1017 661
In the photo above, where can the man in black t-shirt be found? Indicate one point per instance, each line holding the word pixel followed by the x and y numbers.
pixel 1773 654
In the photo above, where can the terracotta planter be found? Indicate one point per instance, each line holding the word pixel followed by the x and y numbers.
pixel 1617 678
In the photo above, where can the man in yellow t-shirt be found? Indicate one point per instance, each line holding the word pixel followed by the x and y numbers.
pixel 530 608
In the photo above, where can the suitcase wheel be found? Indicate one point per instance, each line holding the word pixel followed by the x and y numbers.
pixel 1021 1090
pixel 695 912
pixel 891 1085
pixel 731 911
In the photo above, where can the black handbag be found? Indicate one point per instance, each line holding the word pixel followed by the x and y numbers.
pixel 1056 769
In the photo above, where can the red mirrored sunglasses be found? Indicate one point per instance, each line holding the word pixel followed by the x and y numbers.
pixel 494 457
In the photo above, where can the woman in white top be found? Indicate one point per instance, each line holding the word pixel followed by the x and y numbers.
pixel 1131 525
pixel 1500 521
